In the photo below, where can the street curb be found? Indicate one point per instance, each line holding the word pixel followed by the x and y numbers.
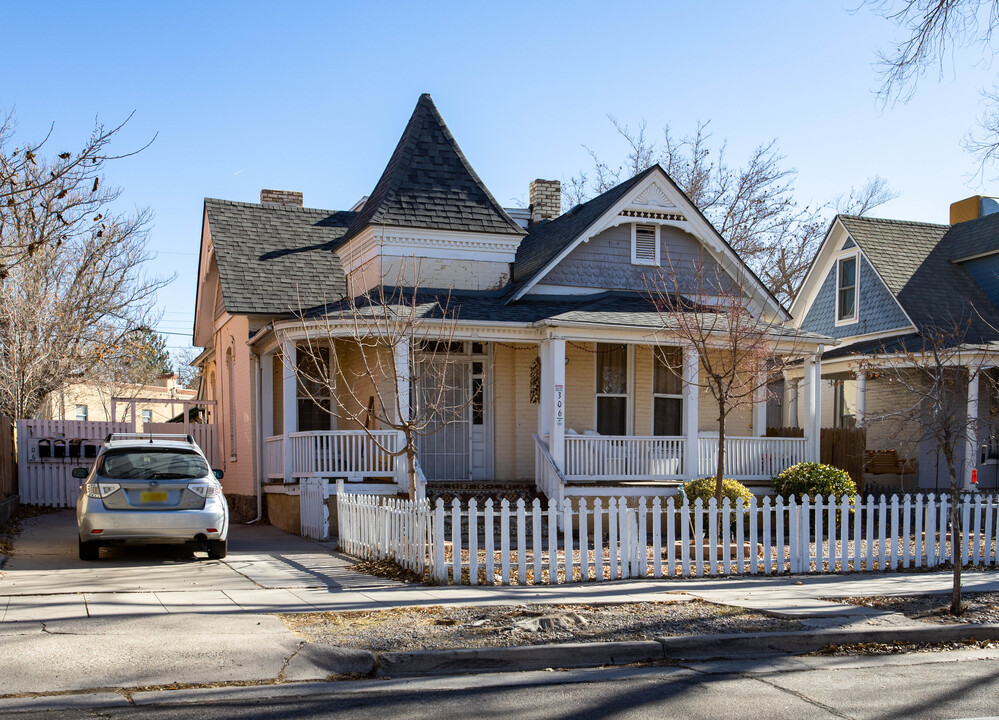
pixel 523 657
pixel 740 645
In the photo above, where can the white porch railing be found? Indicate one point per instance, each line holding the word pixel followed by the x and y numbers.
pixel 750 458
pixel 547 477
pixel 351 454
pixel 601 457
pixel 274 457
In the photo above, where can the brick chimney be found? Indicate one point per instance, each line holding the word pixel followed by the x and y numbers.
pixel 972 208
pixel 281 197
pixel 546 200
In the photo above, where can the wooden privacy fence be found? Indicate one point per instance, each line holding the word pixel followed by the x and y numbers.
pixel 519 544
pixel 840 447
pixel 8 459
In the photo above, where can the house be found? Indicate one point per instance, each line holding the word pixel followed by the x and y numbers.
pixel 92 401
pixel 555 330
pixel 883 287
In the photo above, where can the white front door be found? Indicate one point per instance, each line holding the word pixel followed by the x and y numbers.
pixel 481 420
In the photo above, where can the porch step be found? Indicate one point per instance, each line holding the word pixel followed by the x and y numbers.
pixel 482 492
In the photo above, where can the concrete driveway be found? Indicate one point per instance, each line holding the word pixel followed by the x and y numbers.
pixel 267 570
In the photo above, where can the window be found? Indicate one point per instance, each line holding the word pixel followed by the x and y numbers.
pixel 478 394
pixel 612 389
pixel 846 289
pixel 147 416
pixel 81 413
pixel 845 404
pixel 667 391
pixel 314 397
pixel 644 244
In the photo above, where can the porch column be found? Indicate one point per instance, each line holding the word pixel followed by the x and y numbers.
pixel 789 410
pixel 267 395
pixel 553 395
pixel 971 446
pixel 813 409
pixel 760 406
pixel 290 386
pixel 691 375
pixel 861 398
pixel 402 379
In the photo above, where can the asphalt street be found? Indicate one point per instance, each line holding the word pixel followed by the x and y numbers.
pixel 962 684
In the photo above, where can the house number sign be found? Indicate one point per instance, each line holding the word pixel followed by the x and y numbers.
pixel 559 405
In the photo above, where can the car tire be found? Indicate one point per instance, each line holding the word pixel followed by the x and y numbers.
pixel 90 550
pixel 217 549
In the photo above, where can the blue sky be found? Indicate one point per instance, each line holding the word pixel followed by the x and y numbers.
pixel 313 97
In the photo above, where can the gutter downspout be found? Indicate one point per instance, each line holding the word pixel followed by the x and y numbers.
pixel 258 442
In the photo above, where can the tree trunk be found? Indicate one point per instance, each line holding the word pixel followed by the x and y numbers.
pixel 411 465
pixel 955 534
pixel 720 471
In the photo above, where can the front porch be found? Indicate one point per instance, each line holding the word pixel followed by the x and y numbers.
pixel 543 418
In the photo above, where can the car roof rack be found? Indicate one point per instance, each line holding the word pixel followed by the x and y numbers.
pixel 174 437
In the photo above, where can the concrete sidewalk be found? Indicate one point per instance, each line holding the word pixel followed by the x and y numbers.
pixel 144 617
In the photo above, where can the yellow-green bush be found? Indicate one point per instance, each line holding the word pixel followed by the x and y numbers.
pixel 704 489
pixel 811 479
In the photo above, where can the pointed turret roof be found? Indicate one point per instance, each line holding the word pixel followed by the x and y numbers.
pixel 428 183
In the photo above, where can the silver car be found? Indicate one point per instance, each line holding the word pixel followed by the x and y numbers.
pixel 151 489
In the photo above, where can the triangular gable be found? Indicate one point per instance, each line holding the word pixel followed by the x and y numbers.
pixel 428 183
pixel 651 197
pixel 837 239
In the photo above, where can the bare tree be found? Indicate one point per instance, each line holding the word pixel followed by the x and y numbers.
pixel 929 381
pixel 933 31
pixel 72 309
pixel 43 201
pixel 188 375
pixel 359 352
pixel 752 206
pixel 739 348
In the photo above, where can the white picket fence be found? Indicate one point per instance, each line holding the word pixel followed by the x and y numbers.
pixel 624 538
pixel 379 528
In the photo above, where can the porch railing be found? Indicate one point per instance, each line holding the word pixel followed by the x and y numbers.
pixel 547 477
pixel 750 458
pixel 347 453
pixel 598 457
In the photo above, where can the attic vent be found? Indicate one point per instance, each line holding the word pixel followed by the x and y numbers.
pixel 645 244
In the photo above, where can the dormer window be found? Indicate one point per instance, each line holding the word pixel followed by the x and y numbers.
pixel 644 244
pixel 846 289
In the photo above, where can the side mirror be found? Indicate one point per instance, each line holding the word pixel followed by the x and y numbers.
pixel 80 473
pixel 218 474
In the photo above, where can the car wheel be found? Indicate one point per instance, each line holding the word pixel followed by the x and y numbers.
pixel 217 549
pixel 89 550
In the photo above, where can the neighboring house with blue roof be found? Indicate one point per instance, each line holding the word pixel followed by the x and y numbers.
pixel 883 288
pixel 576 377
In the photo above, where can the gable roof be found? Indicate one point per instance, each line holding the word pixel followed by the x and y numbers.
pixel 915 261
pixel 428 183
pixel 549 238
pixel 276 258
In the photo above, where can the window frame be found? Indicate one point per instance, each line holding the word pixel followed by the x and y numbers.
pixel 76 411
pixel 852 254
pixel 635 260
pixel 667 396
pixel 629 378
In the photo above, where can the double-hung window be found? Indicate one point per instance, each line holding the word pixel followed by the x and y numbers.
pixel 667 391
pixel 612 389
pixel 846 289
pixel 314 400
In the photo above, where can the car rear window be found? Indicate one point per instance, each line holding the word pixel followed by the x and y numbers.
pixel 152 464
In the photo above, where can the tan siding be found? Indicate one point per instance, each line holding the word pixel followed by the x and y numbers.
pixel 505 393
pixel 737 424
pixel 277 406
pixel 643 390
pixel 526 413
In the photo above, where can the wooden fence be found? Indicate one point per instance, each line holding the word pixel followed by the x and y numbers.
pixel 518 544
pixel 840 447
pixel 8 458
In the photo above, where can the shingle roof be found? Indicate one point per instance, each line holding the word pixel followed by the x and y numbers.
pixel 551 237
pixel 428 183
pixel 620 309
pixel 915 260
pixel 276 258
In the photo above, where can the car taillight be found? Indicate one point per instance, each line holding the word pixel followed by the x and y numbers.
pixel 205 490
pixel 101 490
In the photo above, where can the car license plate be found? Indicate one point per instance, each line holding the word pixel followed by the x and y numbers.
pixel 153 496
